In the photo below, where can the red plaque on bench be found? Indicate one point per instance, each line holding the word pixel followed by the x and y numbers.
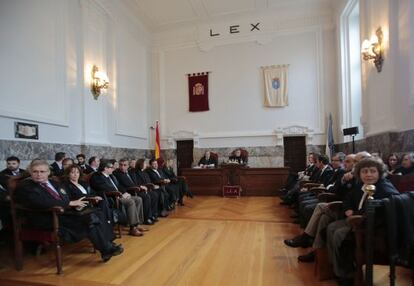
pixel 231 191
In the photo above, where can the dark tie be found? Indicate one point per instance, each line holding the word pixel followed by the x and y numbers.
pixel 129 177
pixel 51 191
pixel 112 182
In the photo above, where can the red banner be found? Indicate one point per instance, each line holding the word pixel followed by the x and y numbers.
pixel 198 91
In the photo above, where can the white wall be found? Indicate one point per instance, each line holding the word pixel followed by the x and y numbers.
pixel 237 115
pixel 47 52
pixel 387 97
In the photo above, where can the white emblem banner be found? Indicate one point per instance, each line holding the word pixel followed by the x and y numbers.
pixel 276 85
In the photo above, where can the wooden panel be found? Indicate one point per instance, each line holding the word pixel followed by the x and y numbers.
pixel 263 181
pixel 204 182
pixel 254 181
pixel 184 154
pixel 295 152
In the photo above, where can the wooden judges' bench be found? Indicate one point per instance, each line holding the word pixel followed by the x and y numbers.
pixel 253 181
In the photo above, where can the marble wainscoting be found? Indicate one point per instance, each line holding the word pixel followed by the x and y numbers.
pixel 258 156
pixel 383 144
pixel 28 150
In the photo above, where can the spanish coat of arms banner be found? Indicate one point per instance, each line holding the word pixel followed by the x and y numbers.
pixel 276 85
pixel 198 91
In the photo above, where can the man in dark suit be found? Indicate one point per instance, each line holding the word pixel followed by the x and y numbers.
pixel 93 165
pixel 12 169
pixel 103 182
pixel 38 192
pixel 322 215
pixel 57 168
pixel 81 158
pixel 207 161
pixel 125 179
pixel 169 193
pixel 142 179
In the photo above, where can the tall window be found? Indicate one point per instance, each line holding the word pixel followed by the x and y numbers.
pixel 351 67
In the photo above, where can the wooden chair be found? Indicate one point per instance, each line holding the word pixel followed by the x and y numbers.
pixel 22 234
pixel 403 183
pixel 244 154
pixel 323 269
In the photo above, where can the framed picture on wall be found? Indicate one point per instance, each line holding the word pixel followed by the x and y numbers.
pixel 26 130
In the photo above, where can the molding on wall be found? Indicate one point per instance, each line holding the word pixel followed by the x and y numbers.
pixel 294 130
pixel 189 38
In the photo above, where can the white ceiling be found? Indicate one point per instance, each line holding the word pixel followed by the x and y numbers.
pixel 158 15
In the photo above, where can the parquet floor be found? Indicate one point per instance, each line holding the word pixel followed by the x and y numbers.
pixel 210 241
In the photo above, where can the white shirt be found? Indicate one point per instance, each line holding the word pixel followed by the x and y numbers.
pixel 81 188
pixel 156 171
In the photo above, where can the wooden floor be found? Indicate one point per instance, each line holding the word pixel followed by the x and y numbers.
pixel 210 241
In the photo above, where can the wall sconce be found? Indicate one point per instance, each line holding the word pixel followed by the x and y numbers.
pixel 99 81
pixel 373 50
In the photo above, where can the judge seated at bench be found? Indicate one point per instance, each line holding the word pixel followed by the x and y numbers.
pixel 238 156
pixel 209 160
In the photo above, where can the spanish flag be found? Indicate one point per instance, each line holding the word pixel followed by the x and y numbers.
pixel 157 141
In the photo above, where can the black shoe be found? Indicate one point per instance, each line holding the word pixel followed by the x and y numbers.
pixel 116 245
pixel 154 219
pixel 310 257
pixel 106 257
pixel 299 241
pixel 180 204
pixel 190 194
pixel 117 250
pixel 148 222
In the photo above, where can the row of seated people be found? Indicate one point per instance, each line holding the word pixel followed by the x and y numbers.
pixel 144 194
pixel 344 179
pixel 210 159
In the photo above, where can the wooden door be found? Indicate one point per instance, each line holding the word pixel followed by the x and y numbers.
pixel 295 152
pixel 184 154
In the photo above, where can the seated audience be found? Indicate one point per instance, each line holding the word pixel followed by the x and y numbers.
pixel 76 188
pixel 115 163
pixel 308 200
pixel 38 192
pixel 66 163
pixel 13 167
pixel 237 157
pixel 125 179
pixel 368 171
pixel 392 163
pixel 81 158
pixel 132 164
pixel 104 182
pixel 57 168
pixel 293 178
pixel 142 179
pixel 322 215
pixel 93 165
pixel 180 182
pixel 168 191
pixel 407 165
pixel 207 161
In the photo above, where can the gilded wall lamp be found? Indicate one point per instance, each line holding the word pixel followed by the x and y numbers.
pixel 99 81
pixel 373 49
